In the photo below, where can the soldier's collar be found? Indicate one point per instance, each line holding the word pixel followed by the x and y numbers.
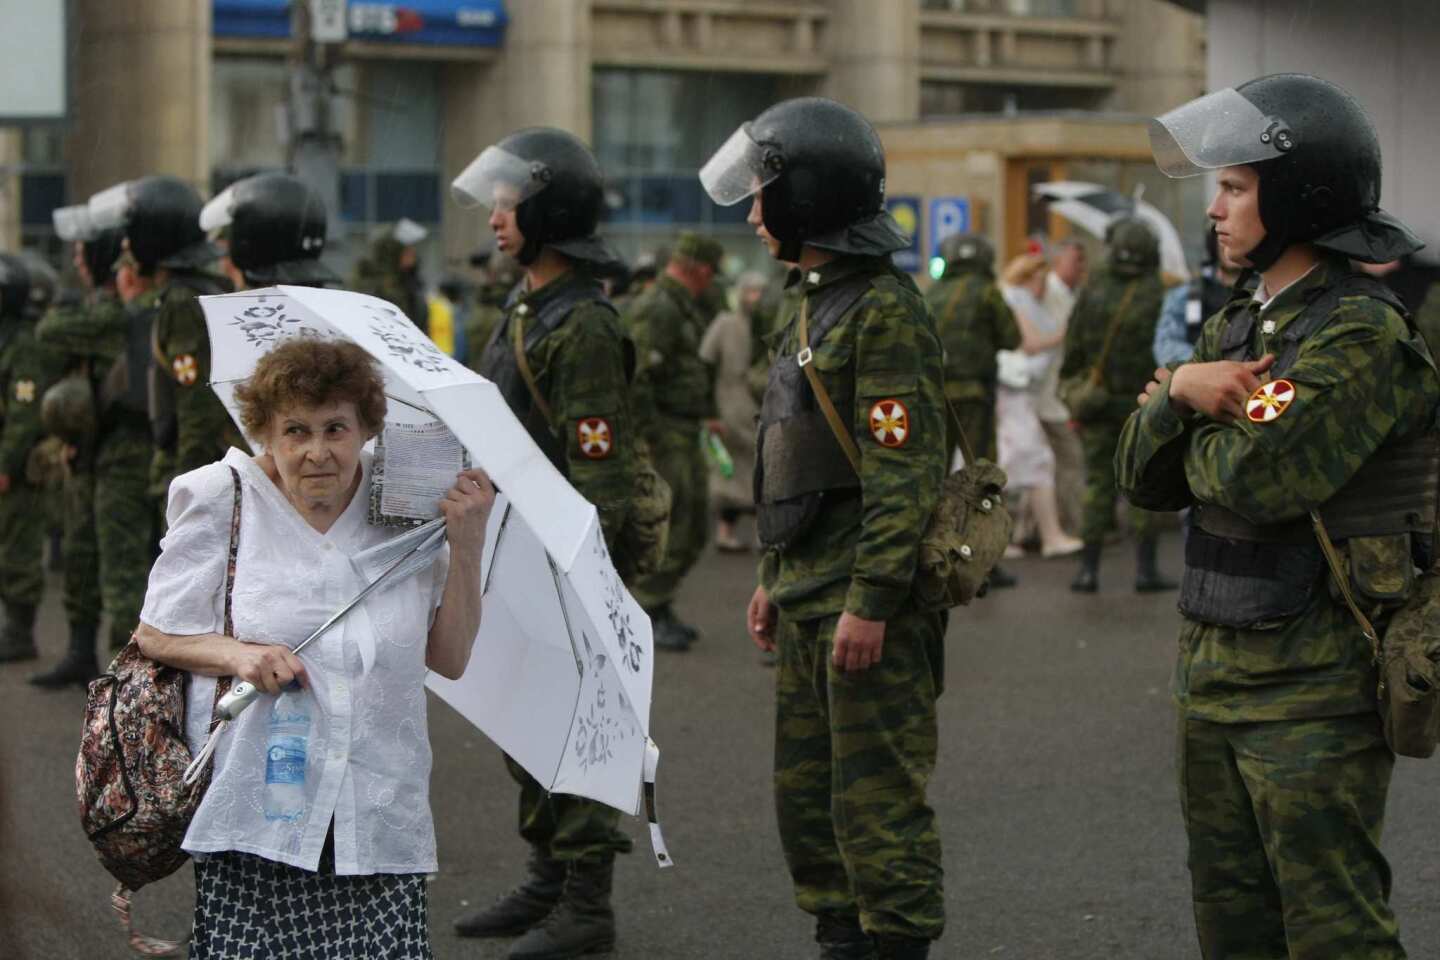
pixel 833 271
pixel 1295 292
pixel 535 299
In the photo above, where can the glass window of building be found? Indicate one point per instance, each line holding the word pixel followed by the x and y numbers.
pixel 652 131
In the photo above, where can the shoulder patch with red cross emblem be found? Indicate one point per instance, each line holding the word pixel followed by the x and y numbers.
pixel 185 368
pixel 595 438
pixel 1269 401
pixel 890 423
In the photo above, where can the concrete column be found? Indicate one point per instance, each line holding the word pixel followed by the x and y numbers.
pixel 142 93
pixel 11 155
pixel 875 58
pixel 540 78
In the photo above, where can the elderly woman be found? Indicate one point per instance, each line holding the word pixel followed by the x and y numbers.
pixel 315 835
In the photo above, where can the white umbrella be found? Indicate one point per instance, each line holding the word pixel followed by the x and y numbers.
pixel 562 669
pixel 1094 207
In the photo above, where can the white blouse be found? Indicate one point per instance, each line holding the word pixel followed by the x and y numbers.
pixel 368 754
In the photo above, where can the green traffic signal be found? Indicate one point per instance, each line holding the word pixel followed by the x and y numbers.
pixel 937 267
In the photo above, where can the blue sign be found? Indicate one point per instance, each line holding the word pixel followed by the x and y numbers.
pixel 468 23
pixel 948 216
pixel 906 211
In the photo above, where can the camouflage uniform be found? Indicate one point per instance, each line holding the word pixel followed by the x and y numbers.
pixel 974 322
pixel 27 369
pixel 203 430
pixel 581 369
pixel 674 392
pixel 1283 767
pixel 1128 368
pixel 483 318
pixel 92 335
pixel 854 751
pixel 381 275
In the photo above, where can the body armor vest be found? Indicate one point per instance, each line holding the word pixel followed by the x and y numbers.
pixel 1234 568
pixel 798 461
pixel 497 362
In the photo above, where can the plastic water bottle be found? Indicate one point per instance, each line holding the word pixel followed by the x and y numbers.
pixel 287 737
pixel 716 453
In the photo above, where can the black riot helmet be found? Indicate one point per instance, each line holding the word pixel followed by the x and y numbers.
pixel 14 286
pixel 972 250
pixel 1317 156
pixel 554 184
pixel 275 224
pixel 1133 247
pixel 99 248
pixel 160 217
pixel 820 170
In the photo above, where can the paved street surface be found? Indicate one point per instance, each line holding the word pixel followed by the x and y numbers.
pixel 1055 792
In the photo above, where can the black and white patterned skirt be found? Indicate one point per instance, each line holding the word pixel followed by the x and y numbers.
pixel 250 908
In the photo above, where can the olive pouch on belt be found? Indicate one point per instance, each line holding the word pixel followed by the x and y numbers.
pixel 1380 573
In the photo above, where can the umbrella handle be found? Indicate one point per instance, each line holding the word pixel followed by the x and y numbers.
pixel 234 703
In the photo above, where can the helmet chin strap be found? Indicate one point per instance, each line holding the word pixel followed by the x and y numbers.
pixel 1268 251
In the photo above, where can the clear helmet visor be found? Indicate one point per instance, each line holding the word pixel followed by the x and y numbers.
pixel 73 223
pixel 110 208
pixel 737 170
pixel 219 212
pixel 499 180
pixel 1220 129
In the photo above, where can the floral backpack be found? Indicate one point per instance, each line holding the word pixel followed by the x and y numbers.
pixel 133 803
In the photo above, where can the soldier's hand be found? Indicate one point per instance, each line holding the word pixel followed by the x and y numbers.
pixel 1218 390
pixel 858 642
pixel 760 620
pixel 4 483
pixel 1153 387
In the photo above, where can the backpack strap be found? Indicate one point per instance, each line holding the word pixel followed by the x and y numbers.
pixel 1322 307
pixel 1097 372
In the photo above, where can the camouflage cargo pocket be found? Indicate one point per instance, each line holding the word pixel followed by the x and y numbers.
pixel 1381 568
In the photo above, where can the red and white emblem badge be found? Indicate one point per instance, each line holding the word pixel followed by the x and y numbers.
pixel 595 439
pixel 890 423
pixel 1269 401
pixel 185 368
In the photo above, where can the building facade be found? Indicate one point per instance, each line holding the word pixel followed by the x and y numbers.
pixel 976 99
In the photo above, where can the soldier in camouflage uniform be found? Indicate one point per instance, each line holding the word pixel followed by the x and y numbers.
pixel 391 271
pixel 1314 397
pixel 860 666
pixel 91 334
pixel 162 376
pixel 1113 326
pixel 974 322
pixel 543 189
pixel 27 369
pixel 674 393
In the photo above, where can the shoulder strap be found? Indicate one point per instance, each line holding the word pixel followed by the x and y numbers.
pixel 1322 307
pixel 517 340
pixel 234 552
pixel 832 416
pixel 1097 372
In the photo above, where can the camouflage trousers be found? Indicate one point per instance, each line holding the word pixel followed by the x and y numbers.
pixel 125 528
pixel 24 527
pixel 81 549
pixel 853 756
pixel 679 459
pixel 563 827
pixel 1284 823
pixel 1099 439
pixel 978 419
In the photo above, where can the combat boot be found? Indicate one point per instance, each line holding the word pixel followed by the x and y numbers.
pixel 17 641
pixel 889 947
pixel 78 665
pixel 582 923
pixel 1088 579
pixel 1000 578
pixel 670 634
pixel 1147 570
pixel 522 908
pixel 841 938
